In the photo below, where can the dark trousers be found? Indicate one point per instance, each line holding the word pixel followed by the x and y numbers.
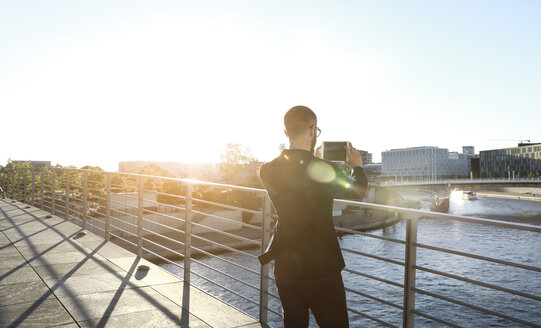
pixel 325 297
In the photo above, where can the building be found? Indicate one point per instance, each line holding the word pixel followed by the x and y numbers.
pixel 424 163
pixel 473 161
pixel 366 157
pixel 521 161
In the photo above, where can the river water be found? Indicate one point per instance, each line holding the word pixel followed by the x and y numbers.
pixel 506 244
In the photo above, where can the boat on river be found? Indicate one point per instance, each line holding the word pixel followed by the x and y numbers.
pixel 440 205
pixel 469 195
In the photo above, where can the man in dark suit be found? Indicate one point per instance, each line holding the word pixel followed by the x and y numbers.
pixel 308 259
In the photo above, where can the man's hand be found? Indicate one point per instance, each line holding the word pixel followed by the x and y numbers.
pixel 319 151
pixel 354 157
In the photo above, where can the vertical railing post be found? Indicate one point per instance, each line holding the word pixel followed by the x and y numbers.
pixel 18 184
pixel 409 273
pixel 140 204
pixel 85 198
pixel 108 209
pixel 42 187
pixel 264 280
pixel 188 233
pixel 25 182
pixel 67 194
pixel 33 198
pixel 13 186
pixel 53 190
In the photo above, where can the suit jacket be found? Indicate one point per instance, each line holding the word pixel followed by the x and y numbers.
pixel 302 188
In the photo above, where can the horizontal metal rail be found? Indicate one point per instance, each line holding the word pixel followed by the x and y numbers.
pixel 479 283
pixel 372 256
pixel 437 215
pixel 180 208
pixel 122 212
pixel 478 257
pixel 231 207
pixel 228 220
pixel 273 295
pixel 122 203
pixel 163 247
pixel 253 242
pixel 474 307
pixel 371 318
pixel 355 232
pixel 396 284
pixel 164 237
pixel 164 259
pixel 163 225
pixel 123 239
pixel 124 187
pixel 168 194
pixel 447 323
pixel 225 274
pixel 164 215
pixel 123 230
pixel 225 260
pixel 377 299
pixel 225 288
pixel 123 221
pixel 274 312
pixel 225 247
pixel 95 226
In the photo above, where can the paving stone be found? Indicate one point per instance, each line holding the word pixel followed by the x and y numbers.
pixel 8 250
pixel 96 281
pixel 4 241
pixel 108 249
pixel 92 306
pixel 47 313
pixel 209 309
pixel 152 318
pixel 18 274
pixel 67 257
pixel 32 250
pixel 90 267
pixel 155 275
pixel 69 325
pixel 11 261
pixel 88 284
pixel 24 293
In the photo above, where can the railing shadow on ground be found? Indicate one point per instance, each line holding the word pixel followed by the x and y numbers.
pixel 161 226
pixel 60 284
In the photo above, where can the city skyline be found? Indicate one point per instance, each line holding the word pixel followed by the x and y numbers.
pixel 90 84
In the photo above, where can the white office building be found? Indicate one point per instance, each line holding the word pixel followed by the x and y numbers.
pixel 423 163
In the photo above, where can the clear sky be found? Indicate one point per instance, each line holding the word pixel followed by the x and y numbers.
pixel 97 82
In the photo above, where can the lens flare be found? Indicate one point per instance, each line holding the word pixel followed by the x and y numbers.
pixel 321 172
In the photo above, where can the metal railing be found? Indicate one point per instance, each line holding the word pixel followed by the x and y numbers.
pixel 179 225
pixel 413 182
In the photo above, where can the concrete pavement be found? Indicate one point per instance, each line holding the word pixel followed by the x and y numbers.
pixel 51 276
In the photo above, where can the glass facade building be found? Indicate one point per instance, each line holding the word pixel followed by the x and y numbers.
pixel 424 163
pixel 521 161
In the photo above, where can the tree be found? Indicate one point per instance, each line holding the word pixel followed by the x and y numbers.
pixel 234 153
pixel 235 158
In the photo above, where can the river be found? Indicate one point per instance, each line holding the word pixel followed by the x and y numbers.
pixel 506 244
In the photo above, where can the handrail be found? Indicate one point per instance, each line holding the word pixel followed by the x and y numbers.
pixel 59 190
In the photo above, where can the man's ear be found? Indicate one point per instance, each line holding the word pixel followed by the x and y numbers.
pixel 285 131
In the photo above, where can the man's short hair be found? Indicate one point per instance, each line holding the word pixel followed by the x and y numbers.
pixel 297 120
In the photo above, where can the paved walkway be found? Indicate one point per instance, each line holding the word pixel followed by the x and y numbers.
pixel 50 276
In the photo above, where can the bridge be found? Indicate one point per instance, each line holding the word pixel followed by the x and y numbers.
pixel 468 183
pixel 86 248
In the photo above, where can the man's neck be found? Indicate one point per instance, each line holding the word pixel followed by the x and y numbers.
pixel 299 145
